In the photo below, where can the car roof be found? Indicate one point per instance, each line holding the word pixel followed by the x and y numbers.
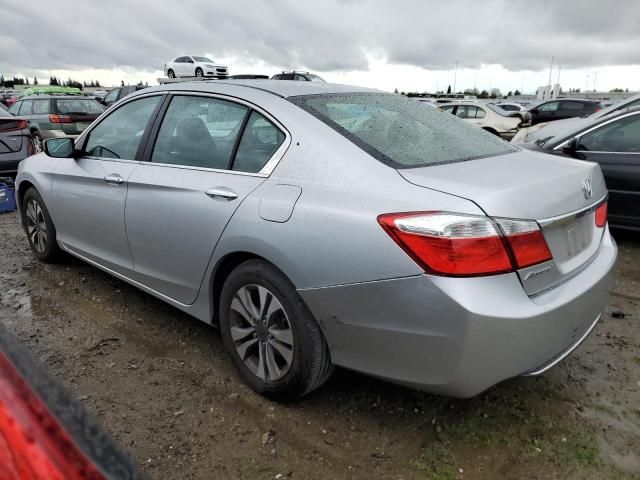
pixel 281 88
pixel 57 97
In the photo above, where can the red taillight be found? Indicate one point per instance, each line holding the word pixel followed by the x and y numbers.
pixel 601 215
pixel 53 118
pixel 465 245
pixel 526 242
pixel 13 125
pixel 33 445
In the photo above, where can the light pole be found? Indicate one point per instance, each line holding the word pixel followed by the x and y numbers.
pixel 455 77
pixel 550 69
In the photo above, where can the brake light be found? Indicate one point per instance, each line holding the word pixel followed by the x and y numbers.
pixel 53 118
pixel 460 245
pixel 526 242
pixel 601 215
pixel 32 442
pixel 13 125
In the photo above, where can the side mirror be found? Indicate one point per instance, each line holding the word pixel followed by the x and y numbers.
pixel 571 147
pixel 535 111
pixel 59 147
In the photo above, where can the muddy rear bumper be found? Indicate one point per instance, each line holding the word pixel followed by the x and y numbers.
pixel 459 336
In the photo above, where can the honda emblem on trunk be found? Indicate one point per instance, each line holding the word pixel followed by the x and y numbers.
pixel 586 188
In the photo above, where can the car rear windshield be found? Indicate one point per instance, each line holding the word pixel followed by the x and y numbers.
pixel 202 59
pixel 78 106
pixel 401 132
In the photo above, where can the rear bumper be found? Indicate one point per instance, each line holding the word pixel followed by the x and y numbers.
pixel 459 336
pixel 9 161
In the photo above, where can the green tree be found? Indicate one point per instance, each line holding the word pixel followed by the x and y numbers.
pixel 35 81
pixel 449 90
pixel 517 92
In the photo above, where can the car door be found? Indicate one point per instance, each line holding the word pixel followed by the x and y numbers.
pixel 545 112
pixel 570 109
pixel 89 192
pixel 615 146
pixel 207 156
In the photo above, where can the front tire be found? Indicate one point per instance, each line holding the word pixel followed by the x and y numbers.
pixel 41 233
pixel 199 72
pixel 171 74
pixel 272 337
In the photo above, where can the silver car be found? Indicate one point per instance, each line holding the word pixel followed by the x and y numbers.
pixel 322 225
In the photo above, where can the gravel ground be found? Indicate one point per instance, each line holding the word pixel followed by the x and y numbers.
pixel 161 383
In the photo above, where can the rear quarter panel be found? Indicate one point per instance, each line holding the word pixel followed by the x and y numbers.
pixel 333 236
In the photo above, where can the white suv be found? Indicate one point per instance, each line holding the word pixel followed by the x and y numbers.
pixel 192 66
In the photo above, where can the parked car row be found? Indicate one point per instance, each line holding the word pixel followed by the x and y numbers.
pixel 55 116
pixel 489 117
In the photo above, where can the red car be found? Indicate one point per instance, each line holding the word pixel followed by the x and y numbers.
pixel 45 434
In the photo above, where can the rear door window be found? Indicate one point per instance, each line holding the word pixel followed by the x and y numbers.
pixel 260 140
pixel 573 107
pixel 199 132
pixel 41 107
pixel 78 106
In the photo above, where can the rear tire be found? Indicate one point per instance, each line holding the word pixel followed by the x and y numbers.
pixel 41 233
pixel 199 72
pixel 274 341
pixel 171 74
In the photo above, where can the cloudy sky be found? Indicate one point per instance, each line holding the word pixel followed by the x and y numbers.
pixel 408 44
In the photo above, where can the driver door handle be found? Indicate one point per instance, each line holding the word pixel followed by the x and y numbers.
pixel 114 179
pixel 221 193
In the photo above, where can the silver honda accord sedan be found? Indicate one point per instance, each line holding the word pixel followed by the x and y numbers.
pixel 321 225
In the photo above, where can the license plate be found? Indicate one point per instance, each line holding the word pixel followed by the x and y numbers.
pixel 576 241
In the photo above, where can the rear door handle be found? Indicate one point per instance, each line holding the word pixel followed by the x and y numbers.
pixel 114 179
pixel 221 193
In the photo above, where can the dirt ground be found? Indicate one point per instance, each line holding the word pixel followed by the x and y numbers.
pixel 162 384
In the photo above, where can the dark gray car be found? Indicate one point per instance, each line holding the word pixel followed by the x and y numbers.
pixel 15 142
pixel 613 142
pixel 56 116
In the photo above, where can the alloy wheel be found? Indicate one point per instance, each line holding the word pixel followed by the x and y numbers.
pixel 36 226
pixel 261 332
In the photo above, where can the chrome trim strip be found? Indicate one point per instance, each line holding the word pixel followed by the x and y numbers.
pixel 266 170
pixel 545 222
pixel 566 353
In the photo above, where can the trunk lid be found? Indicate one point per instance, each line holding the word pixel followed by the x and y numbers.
pixel 532 186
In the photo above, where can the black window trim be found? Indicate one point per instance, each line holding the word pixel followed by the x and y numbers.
pixel 266 169
pixel 81 142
